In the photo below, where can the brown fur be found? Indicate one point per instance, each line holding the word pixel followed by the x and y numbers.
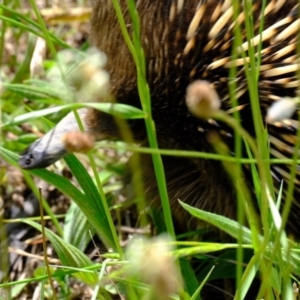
pixel 171 66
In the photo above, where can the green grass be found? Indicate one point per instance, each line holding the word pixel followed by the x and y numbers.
pixel 269 253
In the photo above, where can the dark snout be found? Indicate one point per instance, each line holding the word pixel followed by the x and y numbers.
pixel 51 147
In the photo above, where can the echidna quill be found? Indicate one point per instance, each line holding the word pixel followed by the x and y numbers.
pixel 185 41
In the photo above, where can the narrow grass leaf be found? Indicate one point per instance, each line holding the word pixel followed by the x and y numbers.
pixel 69 255
pixel 248 281
pixel 190 281
pixel 275 280
pixel 197 292
pixel 206 248
pixel 255 175
pixel 119 110
pixel 35 92
pixel 28 28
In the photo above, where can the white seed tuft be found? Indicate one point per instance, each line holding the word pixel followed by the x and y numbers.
pixel 202 100
pixel 151 260
pixel 281 110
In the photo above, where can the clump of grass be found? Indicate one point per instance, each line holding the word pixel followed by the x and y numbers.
pixel 274 257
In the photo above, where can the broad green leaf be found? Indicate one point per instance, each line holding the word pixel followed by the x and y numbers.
pixel 90 208
pixel 77 230
pixel 93 205
pixel 227 225
pixel 232 228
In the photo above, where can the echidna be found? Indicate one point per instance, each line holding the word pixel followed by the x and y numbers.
pixel 183 41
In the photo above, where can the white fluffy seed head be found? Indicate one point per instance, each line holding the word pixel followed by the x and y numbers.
pixel 151 260
pixel 202 99
pixel 281 110
pixel 84 73
pixel 89 77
